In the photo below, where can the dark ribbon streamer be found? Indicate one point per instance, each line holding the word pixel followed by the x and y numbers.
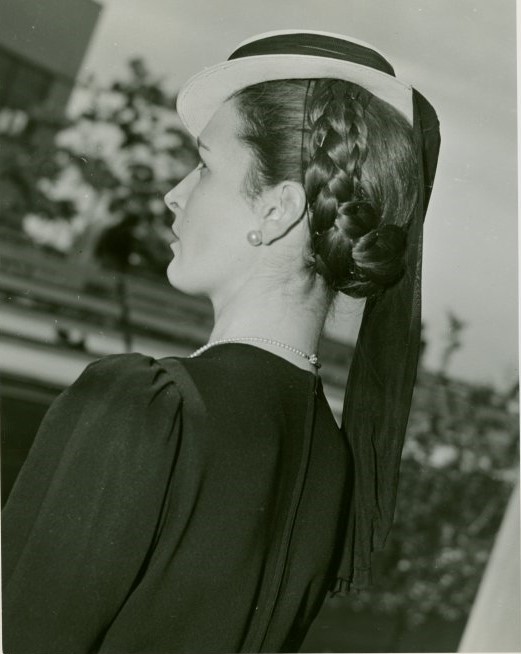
pixel 381 381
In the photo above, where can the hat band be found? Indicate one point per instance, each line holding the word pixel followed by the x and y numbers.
pixel 316 45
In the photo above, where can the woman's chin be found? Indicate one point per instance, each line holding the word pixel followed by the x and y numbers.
pixel 172 274
pixel 177 279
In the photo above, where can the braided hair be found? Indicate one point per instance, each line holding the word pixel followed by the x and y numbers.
pixel 355 156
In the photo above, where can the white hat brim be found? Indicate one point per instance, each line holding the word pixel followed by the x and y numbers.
pixel 205 92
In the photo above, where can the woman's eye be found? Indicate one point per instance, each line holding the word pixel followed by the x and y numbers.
pixel 202 165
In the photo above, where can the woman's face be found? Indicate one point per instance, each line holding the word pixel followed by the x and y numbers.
pixel 212 213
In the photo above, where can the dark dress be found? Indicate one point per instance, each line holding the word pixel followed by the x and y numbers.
pixel 176 505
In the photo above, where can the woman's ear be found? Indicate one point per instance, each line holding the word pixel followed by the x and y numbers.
pixel 283 207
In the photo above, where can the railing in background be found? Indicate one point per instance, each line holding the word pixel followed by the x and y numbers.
pixel 92 298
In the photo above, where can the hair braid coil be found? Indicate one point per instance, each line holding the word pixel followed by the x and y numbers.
pixel 353 252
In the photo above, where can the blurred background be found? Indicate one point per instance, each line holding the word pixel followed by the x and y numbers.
pixel 89 144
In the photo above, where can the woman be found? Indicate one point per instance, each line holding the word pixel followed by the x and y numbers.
pixel 208 504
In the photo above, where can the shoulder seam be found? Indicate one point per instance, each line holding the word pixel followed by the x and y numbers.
pixel 183 381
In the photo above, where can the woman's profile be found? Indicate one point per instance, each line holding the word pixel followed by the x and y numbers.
pixel 210 503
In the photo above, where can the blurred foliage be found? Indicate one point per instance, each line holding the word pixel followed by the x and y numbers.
pixel 92 188
pixel 459 465
pixel 25 159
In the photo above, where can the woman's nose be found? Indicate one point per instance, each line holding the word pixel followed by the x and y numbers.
pixel 176 198
pixel 170 199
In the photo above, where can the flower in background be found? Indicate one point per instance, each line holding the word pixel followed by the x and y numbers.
pixel 56 233
pixel 443 456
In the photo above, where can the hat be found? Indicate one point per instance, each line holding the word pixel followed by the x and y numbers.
pixel 383 369
pixel 290 54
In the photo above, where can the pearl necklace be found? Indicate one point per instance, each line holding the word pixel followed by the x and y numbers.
pixel 312 358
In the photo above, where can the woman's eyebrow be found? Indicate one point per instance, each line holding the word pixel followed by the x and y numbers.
pixel 202 145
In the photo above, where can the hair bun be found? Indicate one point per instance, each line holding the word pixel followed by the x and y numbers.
pixel 379 255
pixel 356 218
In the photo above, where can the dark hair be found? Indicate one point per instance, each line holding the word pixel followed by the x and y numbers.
pixel 355 156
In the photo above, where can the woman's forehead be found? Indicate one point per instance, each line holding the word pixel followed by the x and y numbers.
pixel 223 128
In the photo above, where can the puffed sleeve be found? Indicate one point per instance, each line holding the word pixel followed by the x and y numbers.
pixel 79 526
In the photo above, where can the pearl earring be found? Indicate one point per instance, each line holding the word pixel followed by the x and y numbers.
pixel 254 237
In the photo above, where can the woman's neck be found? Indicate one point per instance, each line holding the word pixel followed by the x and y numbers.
pixel 295 318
